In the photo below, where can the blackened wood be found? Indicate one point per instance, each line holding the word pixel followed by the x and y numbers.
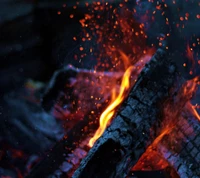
pixel 57 83
pixel 164 173
pixel 181 147
pixel 179 142
pixel 57 155
pixel 79 85
pixel 121 145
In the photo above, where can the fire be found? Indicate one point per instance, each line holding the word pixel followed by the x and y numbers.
pixel 152 159
pixel 189 90
pixel 190 87
pixel 117 30
pixel 107 115
pixel 115 33
pixel 170 140
pixel 118 95
pixel 192 109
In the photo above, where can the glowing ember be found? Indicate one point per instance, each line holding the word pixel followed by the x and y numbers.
pixel 170 140
pixel 189 90
pixel 190 56
pixel 192 109
pixel 110 110
pixel 114 33
pixel 117 30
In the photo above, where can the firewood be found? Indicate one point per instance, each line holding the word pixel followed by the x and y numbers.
pixel 80 84
pixel 177 147
pixel 125 140
pixel 128 135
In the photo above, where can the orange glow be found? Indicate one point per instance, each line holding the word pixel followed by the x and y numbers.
pixel 164 132
pixel 189 90
pixel 190 87
pixel 192 109
pixel 81 48
pixel 126 35
pixel 115 33
pixel 71 16
pixel 107 115
pixel 190 56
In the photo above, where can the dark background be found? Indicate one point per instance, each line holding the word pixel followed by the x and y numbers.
pixel 35 40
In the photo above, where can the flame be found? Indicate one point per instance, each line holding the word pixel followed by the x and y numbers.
pixel 107 115
pixel 189 90
pixel 192 109
pixel 152 159
pixel 115 33
pixel 170 139
pixel 190 87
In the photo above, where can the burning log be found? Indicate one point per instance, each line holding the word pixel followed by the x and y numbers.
pixel 125 140
pixel 148 92
pixel 78 84
pixel 70 85
pixel 74 94
pixel 178 144
pixel 182 152
pixel 178 149
pixel 75 83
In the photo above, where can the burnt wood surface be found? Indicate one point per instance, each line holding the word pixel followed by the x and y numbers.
pixel 77 131
pixel 144 174
pixel 183 152
pixel 126 139
pixel 128 135
pixel 59 153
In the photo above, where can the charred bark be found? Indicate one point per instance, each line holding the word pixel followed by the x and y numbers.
pixel 124 141
pixel 74 80
pixel 181 147
pixel 164 173
pixel 177 147
pixel 59 153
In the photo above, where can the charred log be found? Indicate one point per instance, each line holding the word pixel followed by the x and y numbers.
pixel 56 84
pixel 125 140
pixel 72 82
pixel 59 153
pixel 164 173
pixel 178 144
pixel 56 157
pixel 181 147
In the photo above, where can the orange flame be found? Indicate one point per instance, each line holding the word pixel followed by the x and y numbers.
pixel 190 87
pixel 107 115
pixel 188 92
pixel 192 109
pixel 125 34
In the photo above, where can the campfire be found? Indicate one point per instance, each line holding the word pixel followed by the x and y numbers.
pixel 136 117
pixel 134 113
